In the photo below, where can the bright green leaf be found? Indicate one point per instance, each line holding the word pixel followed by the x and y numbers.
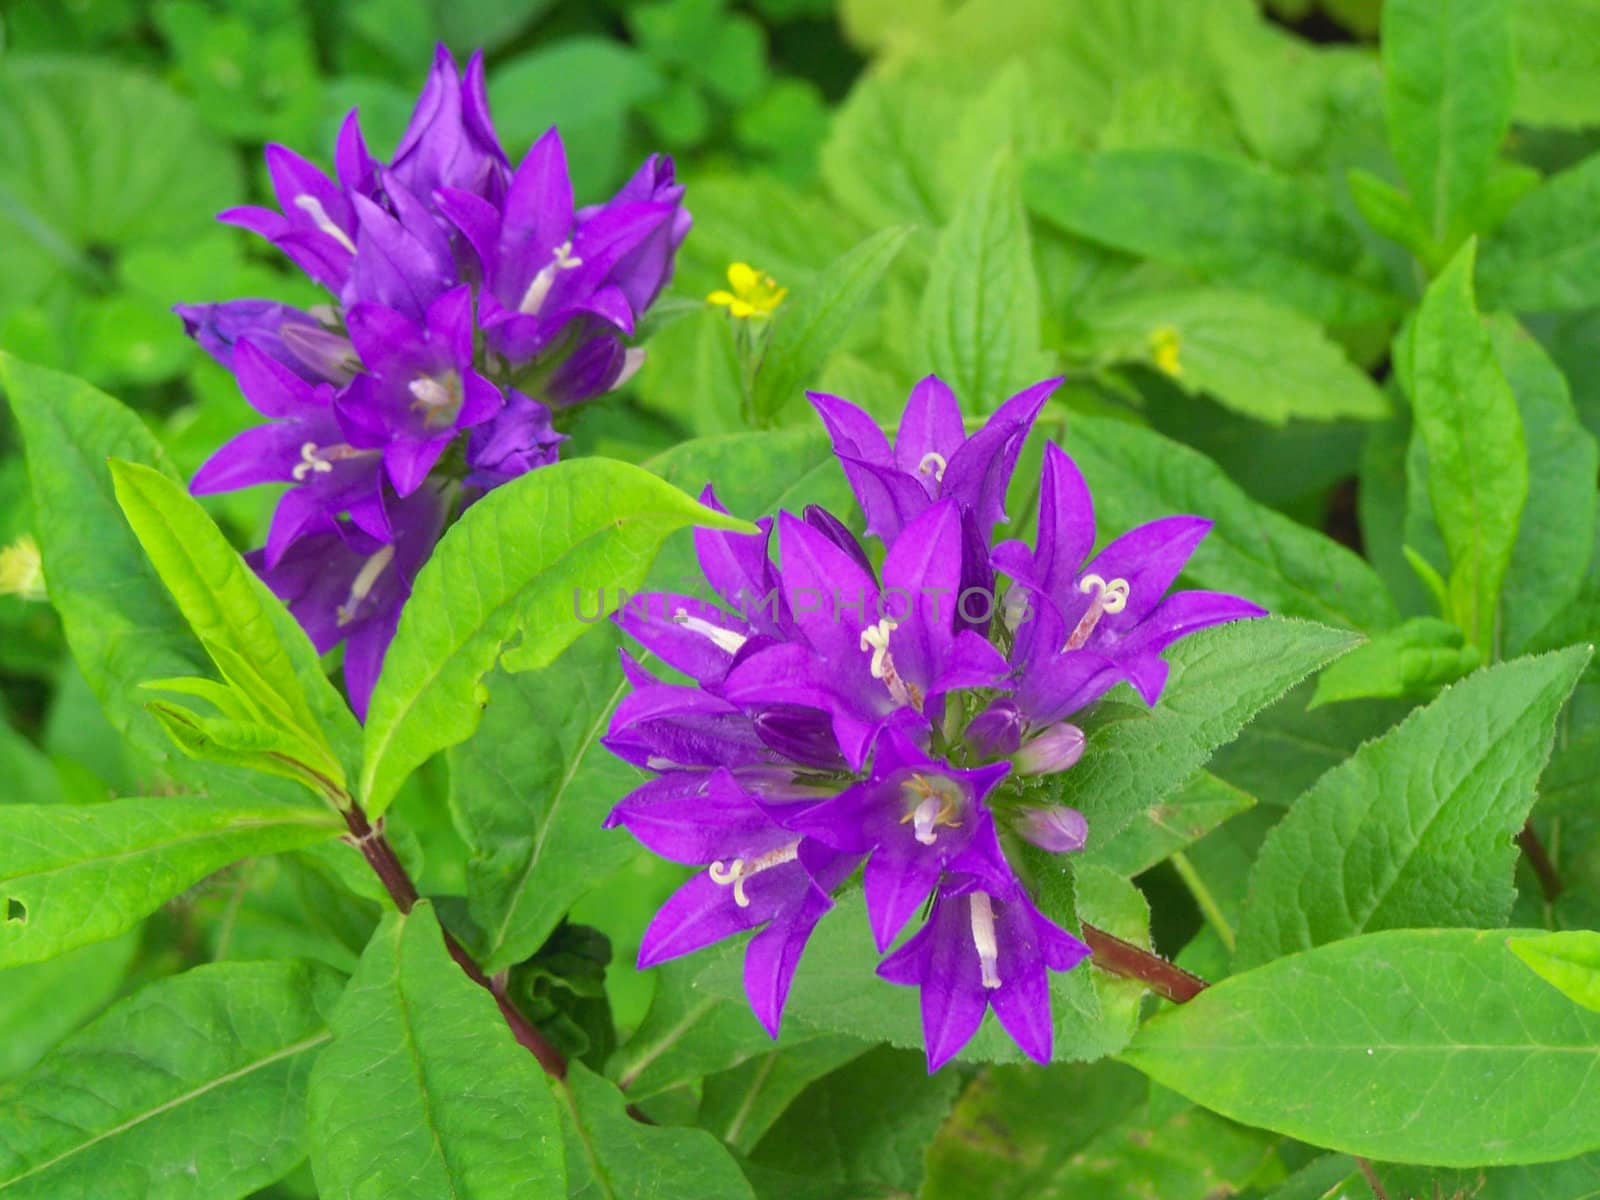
pixel 1466 415
pixel 1412 659
pixel 1184 817
pixel 1558 66
pixel 1416 828
pixel 1568 960
pixel 1432 1045
pixel 1233 222
pixel 424 1092
pixel 524 559
pixel 1545 256
pixel 192 1089
pixel 71 875
pixel 978 326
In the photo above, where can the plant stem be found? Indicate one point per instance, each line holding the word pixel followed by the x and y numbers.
pixel 1124 958
pixel 1209 908
pixel 1539 859
pixel 380 856
pixel 1372 1179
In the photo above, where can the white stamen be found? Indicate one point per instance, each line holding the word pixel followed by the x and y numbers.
pixel 924 817
pixel 364 581
pixel 741 869
pixel 876 639
pixel 983 939
pixel 440 400
pixel 325 314
pixel 312 207
pixel 932 463
pixel 539 287
pixel 1108 598
pixel 429 391
pixel 309 463
pixel 723 639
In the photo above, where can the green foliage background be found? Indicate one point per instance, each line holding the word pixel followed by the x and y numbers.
pixel 1339 292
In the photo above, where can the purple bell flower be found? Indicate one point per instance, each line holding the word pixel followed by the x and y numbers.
pixel 287 335
pixel 984 946
pixel 450 140
pixel 932 457
pixel 420 388
pixel 1098 623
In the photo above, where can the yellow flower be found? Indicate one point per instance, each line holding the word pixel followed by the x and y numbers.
pixel 20 570
pixel 754 293
pixel 1164 346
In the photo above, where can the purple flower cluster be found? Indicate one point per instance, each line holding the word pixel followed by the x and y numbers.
pixel 840 716
pixel 469 299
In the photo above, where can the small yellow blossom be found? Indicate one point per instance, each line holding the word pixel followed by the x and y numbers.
pixel 20 570
pixel 1164 346
pixel 754 293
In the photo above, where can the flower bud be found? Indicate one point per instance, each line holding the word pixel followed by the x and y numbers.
pixel 1056 749
pixel 1054 827
pixel 803 735
pixel 996 732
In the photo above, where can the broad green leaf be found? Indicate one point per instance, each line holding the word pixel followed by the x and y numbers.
pixel 812 319
pixel 1558 66
pixel 1545 256
pixel 529 791
pixel 120 621
pixel 978 326
pixel 610 1156
pixel 740 1105
pixel 1412 659
pixel 1220 678
pixel 1434 1046
pixel 191 1089
pixel 1187 815
pixel 524 559
pixel 425 1092
pixel 1556 536
pixel 94 156
pixel 1252 550
pixel 861 1131
pixel 1390 211
pixel 1225 218
pixel 1466 415
pixel 42 1002
pixel 1254 356
pixel 1448 84
pixel 71 875
pixel 1569 961
pixel 701 347
pixel 1415 828
pixel 256 644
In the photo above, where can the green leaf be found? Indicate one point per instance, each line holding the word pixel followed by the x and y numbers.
pixel 425 1092
pixel 978 326
pixel 72 875
pixel 524 559
pixel 877 160
pixel 1412 659
pixel 1232 222
pixel 1575 1179
pixel 1449 78
pixel 1220 678
pixel 610 1156
pixel 1568 961
pixel 1414 829
pixel 94 156
pixel 1184 817
pixel 1432 1046
pixel 119 620
pixel 740 1105
pixel 529 790
pixel 42 1002
pixel 1252 550
pixel 861 1131
pixel 1555 539
pixel 1545 256
pixel 1558 65
pixel 812 319
pixel 1466 415
pixel 1390 211
pixel 700 347
pixel 254 641
pixel 192 1089
pixel 1256 357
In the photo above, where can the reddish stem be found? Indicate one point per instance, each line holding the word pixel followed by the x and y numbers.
pixel 380 856
pixel 1124 958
